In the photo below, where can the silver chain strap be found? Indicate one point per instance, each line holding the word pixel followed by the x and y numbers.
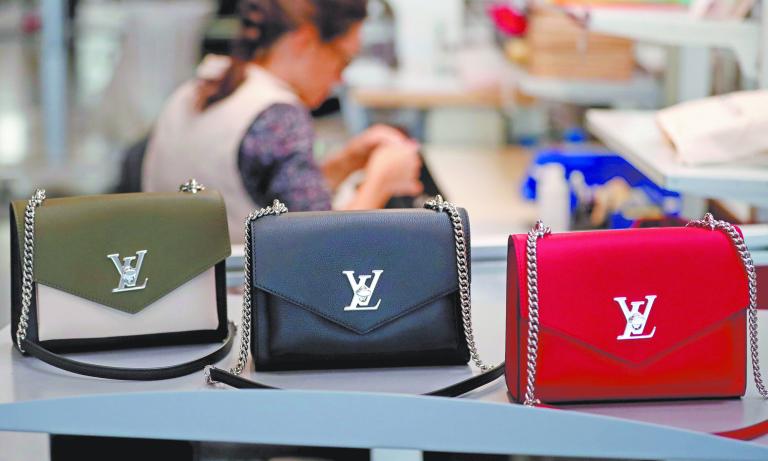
pixel 708 222
pixel 440 205
pixel 28 265
pixel 538 231
pixel 437 204
pixel 276 209
pixel 711 223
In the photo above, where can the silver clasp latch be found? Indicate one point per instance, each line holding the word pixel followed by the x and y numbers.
pixel 437 204
pixel 191 186
pixel 540 230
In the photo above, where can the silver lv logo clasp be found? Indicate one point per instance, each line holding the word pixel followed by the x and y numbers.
pixel 129 274
pixel 362 293
pixel 636 320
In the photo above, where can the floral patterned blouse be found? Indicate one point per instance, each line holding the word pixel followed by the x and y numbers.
pixel 276 160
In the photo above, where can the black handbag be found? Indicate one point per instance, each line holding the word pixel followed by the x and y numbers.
pixel 357 289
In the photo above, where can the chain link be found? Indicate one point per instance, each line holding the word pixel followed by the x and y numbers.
pixel 709 222
pixel 440 205
pixel 276 209
pixel 538 231
pixel 28 270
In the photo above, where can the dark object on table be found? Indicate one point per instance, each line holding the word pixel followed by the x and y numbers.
pixel 668 221
pixel 430 190
pixel 130 171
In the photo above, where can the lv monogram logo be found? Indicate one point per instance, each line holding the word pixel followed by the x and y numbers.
pixel 636 320
pixel 362 293
pixel 129 274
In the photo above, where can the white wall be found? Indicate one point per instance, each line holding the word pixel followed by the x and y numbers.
pixel 420 25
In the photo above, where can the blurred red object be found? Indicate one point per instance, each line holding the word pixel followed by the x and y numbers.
pixel 508 20
pixel 31 23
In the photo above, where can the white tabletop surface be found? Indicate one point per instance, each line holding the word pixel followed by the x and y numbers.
pixel 24 379
pixel 488 183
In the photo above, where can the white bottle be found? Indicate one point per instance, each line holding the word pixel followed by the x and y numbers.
pixel 553 197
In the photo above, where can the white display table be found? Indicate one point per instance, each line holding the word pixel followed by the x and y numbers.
pixel 361 408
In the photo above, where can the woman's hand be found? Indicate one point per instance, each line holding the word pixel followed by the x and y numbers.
pixel 395 168
pixel 360 148
pixel 392 170
pixel 358 151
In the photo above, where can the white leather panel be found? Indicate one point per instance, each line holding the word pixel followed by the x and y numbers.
pixel 191 306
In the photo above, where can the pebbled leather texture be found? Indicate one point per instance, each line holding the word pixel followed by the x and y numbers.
pixel 697 349
pixel 74 235
pixel 300 290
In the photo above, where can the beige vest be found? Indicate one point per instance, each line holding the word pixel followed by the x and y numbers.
pixel 187 143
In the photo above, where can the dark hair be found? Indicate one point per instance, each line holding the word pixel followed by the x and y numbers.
pixel 263 22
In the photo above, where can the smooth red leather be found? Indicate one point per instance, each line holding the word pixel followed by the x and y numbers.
pixel 698 349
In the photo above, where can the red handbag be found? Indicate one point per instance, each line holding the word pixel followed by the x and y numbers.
pixel 636 314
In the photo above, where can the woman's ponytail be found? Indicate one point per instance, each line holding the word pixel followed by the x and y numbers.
pixel 210 91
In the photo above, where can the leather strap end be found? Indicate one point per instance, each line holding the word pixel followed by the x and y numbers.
pixel 751 432
pixel 470 384
pixel 217 375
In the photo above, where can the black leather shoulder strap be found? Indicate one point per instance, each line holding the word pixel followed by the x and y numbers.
pixel 130 374
pixel 470 384
pixel 454 390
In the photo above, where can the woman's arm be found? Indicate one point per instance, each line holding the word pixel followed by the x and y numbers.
pixel 276 160
pixel 392 170
pixel 337 167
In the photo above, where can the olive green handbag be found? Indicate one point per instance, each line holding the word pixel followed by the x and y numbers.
pixel 119 271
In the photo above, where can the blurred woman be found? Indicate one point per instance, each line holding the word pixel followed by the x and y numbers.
pixel 243 126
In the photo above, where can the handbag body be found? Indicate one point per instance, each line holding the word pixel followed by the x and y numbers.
pixel 359 289
pixel 119 271
pixel 355 289
pixel 640 314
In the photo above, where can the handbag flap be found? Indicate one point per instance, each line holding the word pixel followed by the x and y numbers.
pixel 105 248
pixel 634 295
pixel 359 269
